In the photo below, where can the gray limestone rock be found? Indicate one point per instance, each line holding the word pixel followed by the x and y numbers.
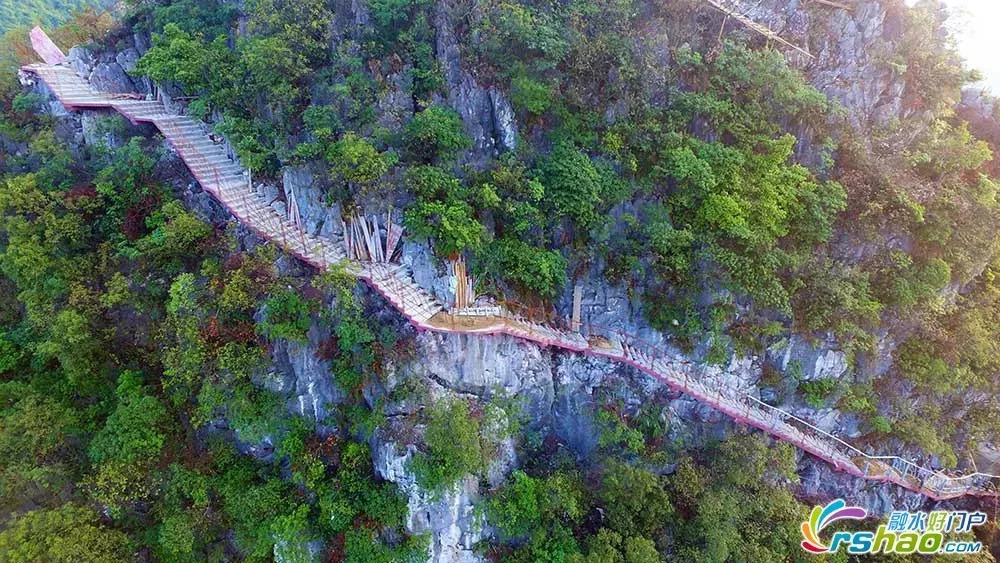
pixel 450 518
pixel 95 129
pixel 610 309
pixel 308 183
pixel 309 381
pixel 127 59
pixel 428 271
pixel 822 483
pixel 485 366
pixel 574 405
pixel 395 104
pixel 815 362
pixel 487 116
pixel 109 77
pixel 81 60
pixel 503 120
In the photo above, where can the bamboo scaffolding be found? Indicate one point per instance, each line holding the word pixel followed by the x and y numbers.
pixel 733 12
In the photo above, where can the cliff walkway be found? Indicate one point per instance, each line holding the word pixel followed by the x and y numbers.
pixel 230 185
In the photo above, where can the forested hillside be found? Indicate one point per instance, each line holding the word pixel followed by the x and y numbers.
pixel 822 232
pixel 20 13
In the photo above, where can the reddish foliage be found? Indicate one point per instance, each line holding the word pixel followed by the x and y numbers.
pixel 241 331
pixel 497 553
pixel 327 449
pixel 550 444
pixel 261 273
pixel 216 334
pixel 233 262
pixel 310 293
pixel 80 191
pixel 335 550
pixel 134 225
pixel 476 411
pixel 379 353
pixel 329 348
pixel 211 333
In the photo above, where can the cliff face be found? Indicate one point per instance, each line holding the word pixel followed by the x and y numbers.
pixel 851 50
pixel 559 392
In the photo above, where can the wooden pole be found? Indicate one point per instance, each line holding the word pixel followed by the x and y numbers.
pixel 388 233
pixel 833 4
pixel 377 241
pixel 577 305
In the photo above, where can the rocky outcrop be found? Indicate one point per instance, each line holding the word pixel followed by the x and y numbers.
pixel 821 483
pixel 449 518
pixel 108 71
pixel 308 183
pixel 395 103
pixel 484 367
pixel 302 375
pixel 610 308
pixel 573 405
pixel 848 67
pixel 486 113
pixel 428 270
pixel 822 361
pixel 848 46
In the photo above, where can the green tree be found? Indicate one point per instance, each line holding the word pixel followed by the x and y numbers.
pixel 530 96
pixel 126 448
pixel 640 550
pixel 287 316
pixel 634 500
pixel 527 266
pixel 270 69
pixel 184 353
pixel 453 446
pixel 442 212
pixel 67 533
pixel 572 185
pixel 37 453
pixel 134 430
pixel 356 160
pixel 175 235
pixel 302 26
pixel 176 538
pixel 179 56
pixel 434 134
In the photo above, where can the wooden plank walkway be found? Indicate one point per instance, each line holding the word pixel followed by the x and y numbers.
pixel 225 180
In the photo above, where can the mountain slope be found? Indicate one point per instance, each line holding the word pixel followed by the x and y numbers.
pixel 18 13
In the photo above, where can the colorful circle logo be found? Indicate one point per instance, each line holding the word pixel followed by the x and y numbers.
pixel 821 517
